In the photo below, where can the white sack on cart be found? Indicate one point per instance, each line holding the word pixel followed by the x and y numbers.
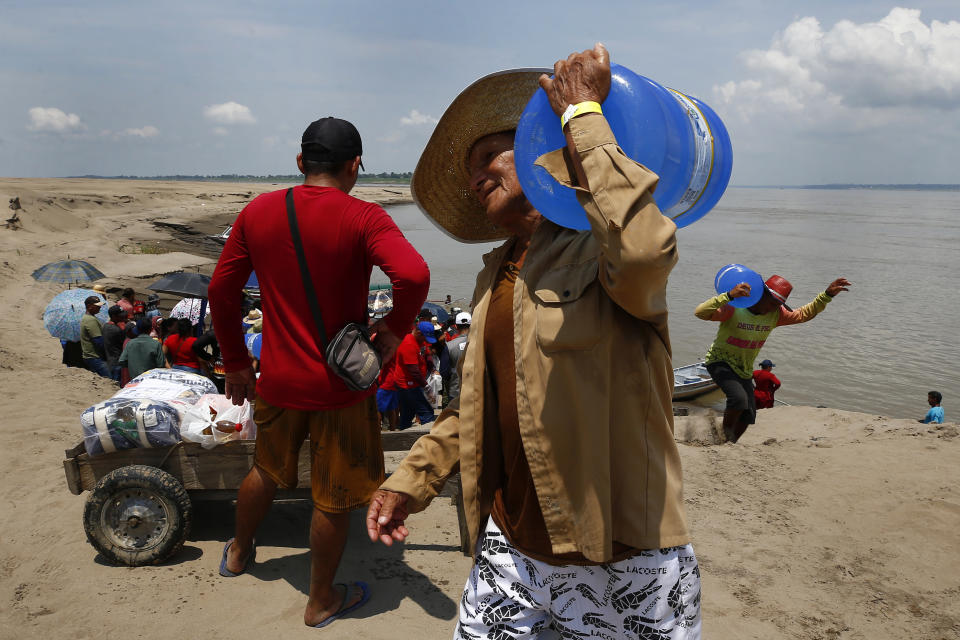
pixel 122 423
pixel 145 413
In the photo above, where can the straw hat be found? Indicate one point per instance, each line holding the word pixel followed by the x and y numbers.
pixel 441 185
pixel 99 288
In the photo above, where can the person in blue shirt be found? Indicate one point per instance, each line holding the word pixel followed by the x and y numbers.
pixel 936 411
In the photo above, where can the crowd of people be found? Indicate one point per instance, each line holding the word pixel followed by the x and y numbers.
pixel 422 377
pixel 137 338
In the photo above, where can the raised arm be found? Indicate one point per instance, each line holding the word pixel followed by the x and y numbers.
pixel 638 242
pixel 810 310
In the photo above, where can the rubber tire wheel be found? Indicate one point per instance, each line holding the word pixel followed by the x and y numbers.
pixel 165 488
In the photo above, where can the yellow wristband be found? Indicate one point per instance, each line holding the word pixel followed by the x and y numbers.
pixel 578 109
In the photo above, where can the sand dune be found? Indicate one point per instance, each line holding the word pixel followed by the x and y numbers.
pixel 820 524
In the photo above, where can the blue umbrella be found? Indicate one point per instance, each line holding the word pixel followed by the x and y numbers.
pixel 62 316
pixel 436 310
pixel 68 271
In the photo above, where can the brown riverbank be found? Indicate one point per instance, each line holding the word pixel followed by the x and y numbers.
pixel 819 524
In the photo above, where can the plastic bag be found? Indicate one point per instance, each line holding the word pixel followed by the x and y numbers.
pixel 200 421
pixel 433 389
pixel 122 423
pixel 168 384
pixel 146 413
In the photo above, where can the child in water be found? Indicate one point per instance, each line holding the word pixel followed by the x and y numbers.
pixel 935 414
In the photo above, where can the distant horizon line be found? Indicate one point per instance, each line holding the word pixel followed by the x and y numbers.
pixel 404 176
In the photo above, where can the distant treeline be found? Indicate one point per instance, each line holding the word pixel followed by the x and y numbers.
pixel 887 187
pixel 392 177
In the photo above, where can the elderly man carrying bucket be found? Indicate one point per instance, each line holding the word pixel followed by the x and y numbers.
pixel 741 335
pixel 563 430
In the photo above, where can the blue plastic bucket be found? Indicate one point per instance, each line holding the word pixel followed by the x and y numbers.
pixel 677 137
pixel 733 274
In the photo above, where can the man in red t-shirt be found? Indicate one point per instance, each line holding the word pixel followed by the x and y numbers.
pixel 410 375
pixel 765 385
pixel 297 393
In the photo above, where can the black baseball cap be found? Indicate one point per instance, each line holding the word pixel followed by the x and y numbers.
pixel 331 140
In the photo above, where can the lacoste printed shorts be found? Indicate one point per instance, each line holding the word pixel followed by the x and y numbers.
pixel 655 595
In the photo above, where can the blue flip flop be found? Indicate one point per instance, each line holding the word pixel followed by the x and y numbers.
pixel 364 590
pixel 226 573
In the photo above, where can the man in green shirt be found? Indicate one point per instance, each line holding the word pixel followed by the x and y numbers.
pixel 143 352
pixel 742 334
pixel 91 338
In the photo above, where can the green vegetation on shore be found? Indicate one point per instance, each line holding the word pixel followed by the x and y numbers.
pixel 390 177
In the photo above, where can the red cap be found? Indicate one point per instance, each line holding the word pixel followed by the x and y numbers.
pixel 780 288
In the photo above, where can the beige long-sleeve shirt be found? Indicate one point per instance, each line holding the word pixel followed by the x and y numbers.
pixel 594 375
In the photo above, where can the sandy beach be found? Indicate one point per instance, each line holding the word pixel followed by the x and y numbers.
pixel 819 524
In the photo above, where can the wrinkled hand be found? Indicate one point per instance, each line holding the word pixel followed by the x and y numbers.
pixel 742 290
pixel 582 77
pixel 385 517
pixel 385 340
pixel 240 385
pixel 838 285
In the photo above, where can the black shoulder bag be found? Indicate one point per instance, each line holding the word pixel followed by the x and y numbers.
pixel 350 354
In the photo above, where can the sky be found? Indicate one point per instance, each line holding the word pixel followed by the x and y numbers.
pixel 811 92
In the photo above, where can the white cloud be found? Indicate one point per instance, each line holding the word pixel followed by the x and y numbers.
pixel 54 120
pixel 148 131
pixel 220 131
pixel 852 75
pixel 229 113
pixel 416 118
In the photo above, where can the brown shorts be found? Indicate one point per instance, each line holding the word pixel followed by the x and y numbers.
pixel 345 451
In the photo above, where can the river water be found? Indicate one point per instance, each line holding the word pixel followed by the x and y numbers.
pixel 877 348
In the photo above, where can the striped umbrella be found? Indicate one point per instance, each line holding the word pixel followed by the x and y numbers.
pixel 68 271
pixel 62 316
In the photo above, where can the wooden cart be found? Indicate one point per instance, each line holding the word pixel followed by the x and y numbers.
pixel 141 502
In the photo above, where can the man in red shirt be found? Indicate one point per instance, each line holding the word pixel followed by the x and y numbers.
pixel 297 393
pixel 410 375
pixel 765 384
pixel 387 403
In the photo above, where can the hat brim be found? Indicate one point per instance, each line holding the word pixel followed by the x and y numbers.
pixel 441 184
pixel 776 296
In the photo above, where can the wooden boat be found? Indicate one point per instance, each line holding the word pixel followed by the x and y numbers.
pixel 692 380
